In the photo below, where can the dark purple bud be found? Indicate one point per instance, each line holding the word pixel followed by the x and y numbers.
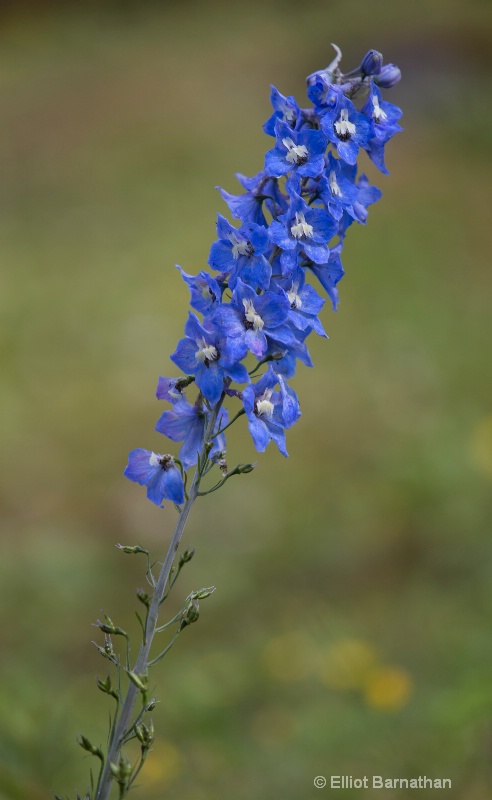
pixel 389 75
pixel 371 63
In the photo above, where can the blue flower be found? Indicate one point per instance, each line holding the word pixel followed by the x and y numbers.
pixel 366 196
pixel 250 318
pixel 270 412
pixel 336 190
pixel 305 302
pixel 210 357
pixel 297 151
pixel 347 129
pixel 186 423
pixel 322 93
pixel 385 118
pixel 260 189
pixel 284 108
pixel 330 274
pixel 302 228
pixel 204 290
pixel 239 252
pixel 286 359
pixel 166 389
pixel 158 473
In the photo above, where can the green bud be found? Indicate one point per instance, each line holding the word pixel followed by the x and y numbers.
pixel 85 744
pixel 136 549
pixel 203 593
pixel 150 706
pixel 106 687
pixel 121 771
pixel 145 735
pixel 245 468
pixel 140 681
pixel 186 556
pixel 182 383
pixel 192 613
pixel 110 627
pixel 143 597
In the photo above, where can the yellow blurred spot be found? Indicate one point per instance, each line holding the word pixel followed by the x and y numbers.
pixel 273 726
pixel 163 765
pixel 347 664
pixel 481 446
pixel 290 657
pixel 388 688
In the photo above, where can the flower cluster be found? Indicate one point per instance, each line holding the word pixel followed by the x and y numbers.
pixel 294 216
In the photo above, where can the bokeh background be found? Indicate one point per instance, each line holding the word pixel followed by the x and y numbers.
pixel 351 629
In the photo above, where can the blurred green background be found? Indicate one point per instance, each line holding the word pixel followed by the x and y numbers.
pixel 350 632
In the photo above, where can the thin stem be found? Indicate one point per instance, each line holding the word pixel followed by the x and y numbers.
pixel 221 430
pixel 142 661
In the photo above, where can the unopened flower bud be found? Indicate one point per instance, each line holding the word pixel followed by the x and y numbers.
pixel 121 771
pixel 203 593
pixel 245 468
pixel 371 63
pixel 106 687
pixel 192 613
pixel 127 549
pixel 390 75
pixel 140 681
pixel 143 597
pixel 186 556
pixel 145 734
pixel 86 745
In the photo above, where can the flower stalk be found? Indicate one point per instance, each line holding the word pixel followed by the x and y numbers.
pixel 260 305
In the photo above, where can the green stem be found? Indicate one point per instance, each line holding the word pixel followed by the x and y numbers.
pixel 239 414
pixel 142 662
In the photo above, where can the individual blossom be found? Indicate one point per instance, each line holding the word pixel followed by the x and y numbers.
pixel 347 128
pixel 286 358
pixel 239 252
pixel 337 191
pixel 158 473
pixel 322 93
pixel 211 357
pixel 261 190
pixel 305 302
pixel 269 412
pixel 301 152
pixel 284 109
pixel 305 229
pixel 204 290
pixel 330 274
pixel 251 318
pixel 385 118
pixel 186 423
pixel 367 194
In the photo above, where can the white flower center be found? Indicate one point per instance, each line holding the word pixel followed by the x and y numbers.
pixel 294 299
pixel 154 460
pixel 377 112
pixel 206 352
pixel 343 128
pixel 264 406
pixel 289 113
pixel 334 187
pixel 301 228
pixel 240 247
pixel 298 153
pixel 252 316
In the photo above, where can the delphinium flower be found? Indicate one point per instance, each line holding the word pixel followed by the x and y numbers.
pixel 257 309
